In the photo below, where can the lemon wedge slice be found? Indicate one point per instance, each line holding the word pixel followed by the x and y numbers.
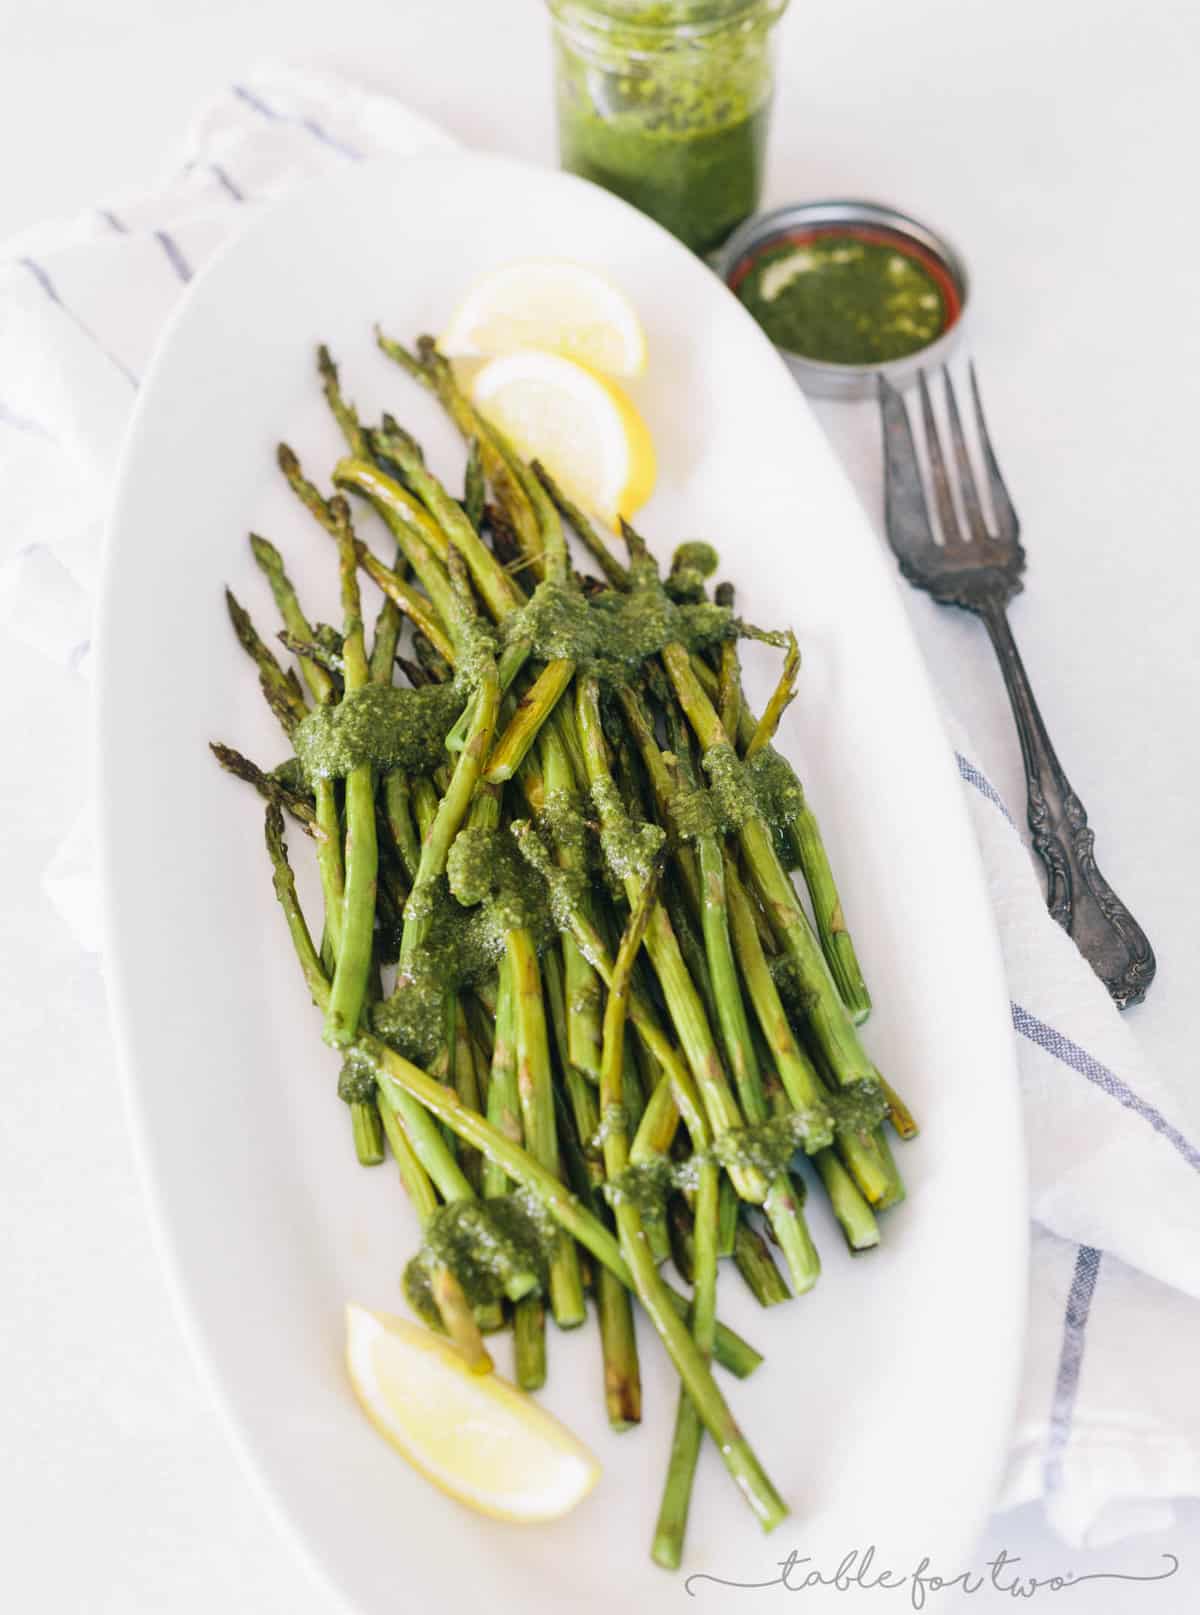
pixel 582 426
pixel 476 1436
pixel 557 307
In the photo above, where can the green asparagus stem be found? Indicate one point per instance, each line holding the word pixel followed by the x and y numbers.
pixel 461 1074
pixel 667 1547
pixel 397 796
pixel 504 1101
pixel 727 1218
pixel 782 697
pixel 660 1120
pixel 497 589
pixel 269 788
pixel 849 1206
pixel 362 856
pixel 313 651
pixel 683 1002
pixel 270 563
pixel 591 944
pixel 690 1361
pixel 429 368
pixel 418 537
pixel 413 605
pixel 616 574
pixel 618 1341
pixel 830 1021
pixel 450 813
pixel 367 1130
pixel 417 1183
pixel 535 1088
pixel 532 711
pixel 785 1215
pixel 805 836
pixel 898 1112
pixel 582 985
pixel 460 1320
pixel 427 1143
pixel 387 637
pixel 827 907
pixel 529 1342
pixel 795 1068
pixel 895 1191
pixel 343 413
pixel 475 486
pixel 622 1376
pixel 754 1262
pixel 282 690
pixel 321 687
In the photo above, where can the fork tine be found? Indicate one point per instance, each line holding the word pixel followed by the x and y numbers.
pixel 1007 525
pixel 966 477
pixel 906 514
pixel 951 536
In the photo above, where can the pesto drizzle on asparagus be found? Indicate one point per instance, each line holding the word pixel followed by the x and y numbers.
pixel 568 818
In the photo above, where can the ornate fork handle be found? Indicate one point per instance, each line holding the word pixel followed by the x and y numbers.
pixel 1079 897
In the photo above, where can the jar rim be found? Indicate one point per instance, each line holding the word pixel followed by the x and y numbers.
pixel 661 18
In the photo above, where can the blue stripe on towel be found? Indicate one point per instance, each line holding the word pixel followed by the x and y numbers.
pixel 226 182
pixel 174 256
pixel 43 279
pixel 25 423
pixel 1062 1048
pixel 1070 1362
pixel 313 127
pixel 983 785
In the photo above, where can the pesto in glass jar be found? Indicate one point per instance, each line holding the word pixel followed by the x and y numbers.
pixel 666 103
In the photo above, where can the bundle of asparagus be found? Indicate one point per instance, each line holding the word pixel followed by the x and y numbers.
pixel 566 818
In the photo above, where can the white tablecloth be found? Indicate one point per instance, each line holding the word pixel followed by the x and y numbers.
pixel 1082 330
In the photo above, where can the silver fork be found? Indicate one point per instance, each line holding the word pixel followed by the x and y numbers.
pixel 981 571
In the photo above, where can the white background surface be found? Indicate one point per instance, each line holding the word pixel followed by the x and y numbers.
pixel 1057 144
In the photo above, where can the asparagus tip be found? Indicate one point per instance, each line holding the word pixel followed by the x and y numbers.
pixel 264 552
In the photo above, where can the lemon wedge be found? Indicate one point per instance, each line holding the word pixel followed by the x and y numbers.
pixel 582 426
pixel 476 1436
pixel 556 307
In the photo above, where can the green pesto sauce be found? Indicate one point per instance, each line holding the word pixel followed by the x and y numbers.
pixel 693 813
pixel 768 1147
pixel 843 301
pixel 488 889
pixel 565 887
pixel 462 947
pixel 796 998
pixel 859 1107
pixel 500 1248
pixel 612 634
pixel 674 123
pixel 497 1248
pixel 780 797
pixel 731 789
pixel 356 1081
pixel 384 725
pixel 691 566
pixel 488 875
pixel 629 849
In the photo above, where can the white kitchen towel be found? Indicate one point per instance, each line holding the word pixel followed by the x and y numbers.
pixel 1108 1429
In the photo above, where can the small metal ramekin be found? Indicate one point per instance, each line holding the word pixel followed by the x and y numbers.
pixel 822 377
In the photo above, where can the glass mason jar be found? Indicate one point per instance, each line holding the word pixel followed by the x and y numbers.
pixel 666 102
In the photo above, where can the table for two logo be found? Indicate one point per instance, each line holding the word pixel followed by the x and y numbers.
pixel 859 1572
